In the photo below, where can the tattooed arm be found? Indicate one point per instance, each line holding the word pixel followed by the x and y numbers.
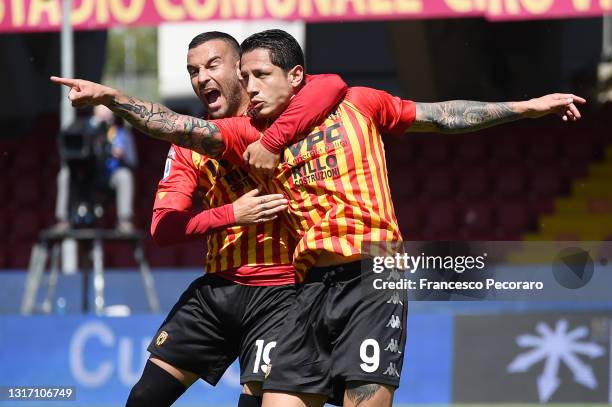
pixel 150 118
pixel 460 116
pixel 162 123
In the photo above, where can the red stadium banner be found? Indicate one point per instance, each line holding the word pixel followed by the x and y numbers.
pixel 45 15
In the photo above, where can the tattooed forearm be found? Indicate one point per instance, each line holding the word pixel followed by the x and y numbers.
pixel 201 135
pixel 359 392
pixel 459 116
pixel 155 120
pixel 162 123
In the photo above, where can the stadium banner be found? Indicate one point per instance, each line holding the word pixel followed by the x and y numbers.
pixel 45 15
pixel 102 358
pixel 535 358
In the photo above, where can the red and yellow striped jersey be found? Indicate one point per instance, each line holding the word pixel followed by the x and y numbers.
pixel 252 255
pixel 336 177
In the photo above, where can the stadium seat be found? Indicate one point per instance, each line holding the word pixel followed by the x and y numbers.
pixel 18 254
pixel 542 147
pixel 471 149
pixel 577 149
pixel 48 194
pixel 473 183
pixel 405 183
pixel 506 148
pixel 119 254
pixel 546 182
pixel 400 152
pixel 438 183
pixel 25 192
pixel 599 205
pixel 47 216
pixel 513 219
pixel 27 163
pixel 574 169
pixel 440 221
pixel 410 218
pixel 5 160
pixel 436 150
pixel 4 226
pixel 542 205
pixel 4 192
pixel 476 221
pixel 24 225
pixel 3 257
pixel 510 182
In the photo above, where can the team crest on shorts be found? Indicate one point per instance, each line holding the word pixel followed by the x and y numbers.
pixel 161 338
pixel 266 368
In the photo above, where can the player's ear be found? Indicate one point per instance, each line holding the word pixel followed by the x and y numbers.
pixel 296 76
pixel 238 69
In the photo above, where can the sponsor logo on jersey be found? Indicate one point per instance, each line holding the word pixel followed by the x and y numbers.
pixel 314 158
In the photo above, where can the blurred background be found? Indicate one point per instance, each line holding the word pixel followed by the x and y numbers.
pixel 528 181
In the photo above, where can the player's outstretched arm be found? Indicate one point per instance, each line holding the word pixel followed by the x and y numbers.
pixel 150 118
pixel 460 116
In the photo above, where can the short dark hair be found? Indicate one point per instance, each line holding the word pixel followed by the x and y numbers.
pixel 215 35
pixel 285 52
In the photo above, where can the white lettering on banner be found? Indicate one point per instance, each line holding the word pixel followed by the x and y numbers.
pixel 123 347
pixel 33 15
pixel 86 332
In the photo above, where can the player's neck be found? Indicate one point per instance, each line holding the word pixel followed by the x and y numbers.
pixel 244 107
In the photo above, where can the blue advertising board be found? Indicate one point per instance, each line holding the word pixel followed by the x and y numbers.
pixel 103 357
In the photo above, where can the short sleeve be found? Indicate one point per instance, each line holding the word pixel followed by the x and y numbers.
pixel 392 114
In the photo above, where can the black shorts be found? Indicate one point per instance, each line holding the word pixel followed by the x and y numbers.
pixel 335 334
pixel 215 321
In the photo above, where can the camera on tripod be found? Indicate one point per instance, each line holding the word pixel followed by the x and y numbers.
pixel 84 149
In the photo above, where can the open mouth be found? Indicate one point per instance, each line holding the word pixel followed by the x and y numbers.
pixel 212 96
